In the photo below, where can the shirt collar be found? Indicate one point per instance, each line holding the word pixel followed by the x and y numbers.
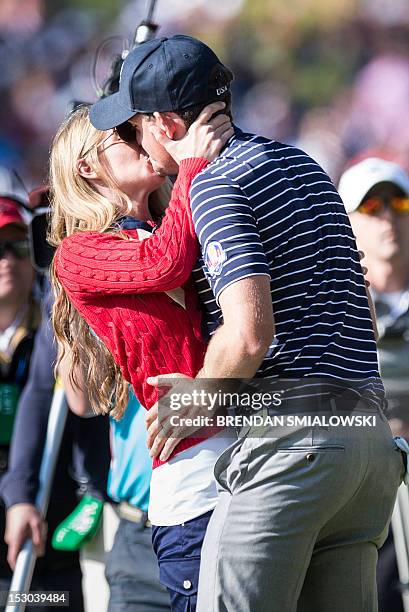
pixel 238 135
pixel 130 223
pixel 6 336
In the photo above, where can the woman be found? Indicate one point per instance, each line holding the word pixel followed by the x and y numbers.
pixel 135 296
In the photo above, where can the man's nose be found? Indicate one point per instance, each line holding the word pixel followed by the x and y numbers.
pixel 387 213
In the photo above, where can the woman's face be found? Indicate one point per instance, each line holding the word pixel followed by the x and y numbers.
pixel 128 165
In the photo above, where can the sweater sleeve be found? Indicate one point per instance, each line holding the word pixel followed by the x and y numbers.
pixel 96 263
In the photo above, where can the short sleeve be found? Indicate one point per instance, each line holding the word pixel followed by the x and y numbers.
pixel 227 230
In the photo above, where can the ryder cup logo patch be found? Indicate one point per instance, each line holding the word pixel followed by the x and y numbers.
pixel 214 258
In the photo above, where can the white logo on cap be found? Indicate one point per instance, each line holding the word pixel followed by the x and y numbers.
pixel 214 258
pixel 221 90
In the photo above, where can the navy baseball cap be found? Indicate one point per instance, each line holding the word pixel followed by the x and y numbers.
pixel 163 74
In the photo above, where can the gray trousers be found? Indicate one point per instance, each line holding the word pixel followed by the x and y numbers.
pixel 131 570
pixel 300 517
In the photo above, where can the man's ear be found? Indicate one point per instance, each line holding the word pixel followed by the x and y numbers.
pixel 171 124
pixel 85 170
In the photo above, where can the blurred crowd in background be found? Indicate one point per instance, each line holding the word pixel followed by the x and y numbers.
pixel 331 77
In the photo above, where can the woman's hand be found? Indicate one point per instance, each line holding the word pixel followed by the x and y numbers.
pixel 205 138
pixel 160 440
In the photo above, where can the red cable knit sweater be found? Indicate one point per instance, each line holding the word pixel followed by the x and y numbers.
pixel 118 286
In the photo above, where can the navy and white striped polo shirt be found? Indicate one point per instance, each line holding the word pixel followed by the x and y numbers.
pixel 267 208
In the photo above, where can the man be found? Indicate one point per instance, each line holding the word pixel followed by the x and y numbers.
pixel 298 519
pixel 376 196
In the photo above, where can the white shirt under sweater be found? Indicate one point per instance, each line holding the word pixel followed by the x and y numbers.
pixel 184 487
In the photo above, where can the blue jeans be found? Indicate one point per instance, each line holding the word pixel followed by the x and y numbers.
pixel 178 551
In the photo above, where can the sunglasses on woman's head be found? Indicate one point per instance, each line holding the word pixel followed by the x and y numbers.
pixel 371 206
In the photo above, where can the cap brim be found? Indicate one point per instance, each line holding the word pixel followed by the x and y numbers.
pixel 364 188
pixel 109 112
pixel 358 180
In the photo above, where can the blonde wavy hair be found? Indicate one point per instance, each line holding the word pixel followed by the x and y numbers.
pixel 78 207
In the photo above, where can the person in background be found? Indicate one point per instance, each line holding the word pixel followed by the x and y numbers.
pixel 131 565
pixel 60 568
pixel 20 317
pixel 90 456
pixel 376 196
pixel 56 570
pixel 131 568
